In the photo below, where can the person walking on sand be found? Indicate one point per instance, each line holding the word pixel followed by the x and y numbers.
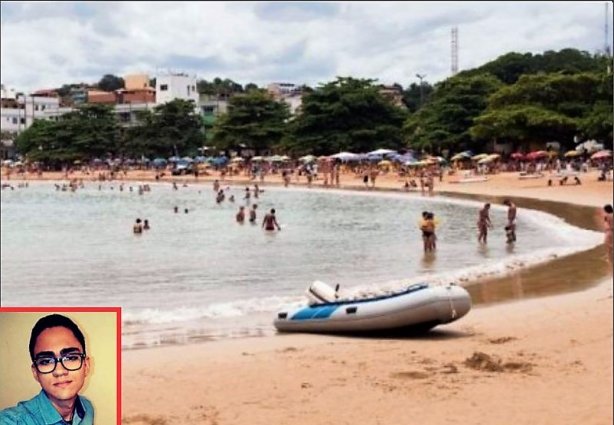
pixel 483 223
pixel 269 222
pixel 511 221
pixel 608 229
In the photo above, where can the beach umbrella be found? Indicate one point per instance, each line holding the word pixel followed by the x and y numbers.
pixel 187 159
pixel 384 162
pixel 462 155
pixel 257 159
pixel 602 154
pixel 236 159
pixel 220 160
pixel 275 158
pixel 76 162
pixel 381 152
pixel 199 159
pixel 307 158
pixel 173 159
pixel 537 155
pixel 489 158
pixel 517 155
pixel 346 156
pixel 572 154
pixel 479 156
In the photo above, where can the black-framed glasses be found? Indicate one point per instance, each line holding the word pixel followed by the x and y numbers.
pixel 70 361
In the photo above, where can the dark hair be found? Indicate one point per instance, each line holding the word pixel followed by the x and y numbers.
pixel 273 210
pixel 138 220
pixel 52 321
pixel 608 209
pixel 487 205
pixel 506 202
pixel 425 214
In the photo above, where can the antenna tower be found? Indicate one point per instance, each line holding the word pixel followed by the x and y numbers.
pixel 454 45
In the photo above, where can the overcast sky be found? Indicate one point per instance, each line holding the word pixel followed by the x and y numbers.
pixel 45 45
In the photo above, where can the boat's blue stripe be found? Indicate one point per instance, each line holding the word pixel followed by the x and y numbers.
pixel 317 312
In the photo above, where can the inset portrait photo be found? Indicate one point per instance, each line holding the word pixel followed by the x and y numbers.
pixel 60 365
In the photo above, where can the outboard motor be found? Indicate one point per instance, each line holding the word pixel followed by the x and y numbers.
pixel 320 293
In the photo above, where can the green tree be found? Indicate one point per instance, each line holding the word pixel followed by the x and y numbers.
pixel 413 97
pixel 254 120
pixel 172 128
pixel 547 107
pixel 110 82
pixel 345 115
pixel 444 122
pixel 88 132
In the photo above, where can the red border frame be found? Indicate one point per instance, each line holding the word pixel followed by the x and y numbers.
pixel 116 310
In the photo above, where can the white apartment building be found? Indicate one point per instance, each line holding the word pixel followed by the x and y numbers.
pixel 18 112
pixel 287 92
pixel 176 86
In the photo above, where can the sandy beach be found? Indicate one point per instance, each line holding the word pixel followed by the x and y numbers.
pixel 545 360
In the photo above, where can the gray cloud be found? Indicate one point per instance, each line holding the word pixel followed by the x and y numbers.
pixel 48 44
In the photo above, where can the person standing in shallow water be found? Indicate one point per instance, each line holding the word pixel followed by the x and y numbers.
pixel 511 221
pixel 270 222
pixel 252 214
pixel 240 217
pixel 483 223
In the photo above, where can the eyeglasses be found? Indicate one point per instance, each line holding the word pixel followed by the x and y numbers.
pixel 70 361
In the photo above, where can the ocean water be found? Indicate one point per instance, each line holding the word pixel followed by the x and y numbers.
pixel 201 276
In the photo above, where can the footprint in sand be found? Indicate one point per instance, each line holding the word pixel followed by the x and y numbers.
pixel 502 340
pixel 410 375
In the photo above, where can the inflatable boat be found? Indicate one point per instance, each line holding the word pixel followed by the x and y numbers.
pixel 420 307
